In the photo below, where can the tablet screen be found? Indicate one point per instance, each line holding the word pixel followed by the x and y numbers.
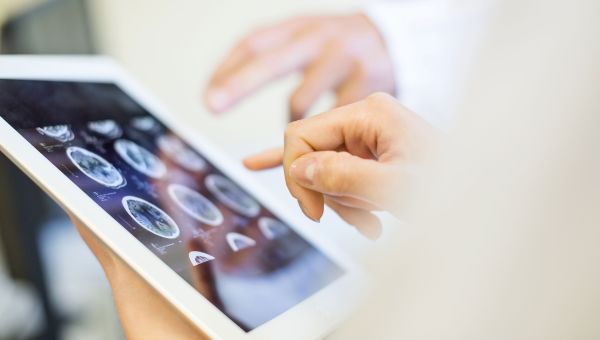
pixel 214 234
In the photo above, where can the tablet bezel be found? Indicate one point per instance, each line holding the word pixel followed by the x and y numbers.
pixel 312 318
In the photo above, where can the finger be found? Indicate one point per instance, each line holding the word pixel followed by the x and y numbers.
pixel 352 202
pixel 325 73
pixel 264 160
pixel 342 174
pixel 365 222
pixel 325 131
pixel 258 42
pixel 321 132
pixel 254 44
pixel 264 68
pixel 351 90
pixel 350 127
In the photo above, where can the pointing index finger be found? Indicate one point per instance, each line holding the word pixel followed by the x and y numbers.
pixel 267 159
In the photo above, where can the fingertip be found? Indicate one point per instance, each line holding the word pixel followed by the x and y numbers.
pixel 248 163
pixel 318 212
pixel 295 115
pixel 264 160
pixel 300 102
pixel 253 163
pixel 297 111
pixel 372 231
pixel 217 99
pixel 313 207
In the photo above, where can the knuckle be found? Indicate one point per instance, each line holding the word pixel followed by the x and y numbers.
pixel 379 98
pixel 292 129
pixel 380 104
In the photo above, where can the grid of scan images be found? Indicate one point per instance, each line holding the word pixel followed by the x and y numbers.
pixel 214 234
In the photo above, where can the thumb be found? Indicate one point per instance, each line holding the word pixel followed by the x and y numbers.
pixel 342 174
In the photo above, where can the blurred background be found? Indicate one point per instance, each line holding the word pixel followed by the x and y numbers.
pixel 50 285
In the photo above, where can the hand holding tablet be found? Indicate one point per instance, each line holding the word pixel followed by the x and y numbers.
pixel 136 301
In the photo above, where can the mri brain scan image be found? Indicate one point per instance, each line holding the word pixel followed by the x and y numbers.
pixel 107 128
pixel 140 159
pixel 95 167
pixel 231 195
pixel 198 257
pixel 272 228
pixel 147 124
pixel 150 217
pixel 61 133
pixel 195 205
pixel 180 153
pixel 239 242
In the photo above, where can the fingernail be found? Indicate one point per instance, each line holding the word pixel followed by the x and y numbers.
pixel 303 170
pixel 218 99
pixel 306 213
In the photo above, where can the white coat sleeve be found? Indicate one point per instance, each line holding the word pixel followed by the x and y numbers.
pixel 432 44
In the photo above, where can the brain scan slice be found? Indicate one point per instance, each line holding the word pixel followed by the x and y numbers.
pixel 231 195
pixel 95 167
pixel 150 217
pixel 140 159
pixel 195 205
pixel 61 133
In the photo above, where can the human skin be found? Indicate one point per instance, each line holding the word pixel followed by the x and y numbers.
pixel 144 313
pixel 341 54
pixel 356 159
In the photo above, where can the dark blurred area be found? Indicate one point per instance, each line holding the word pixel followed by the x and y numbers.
pixel 52 27
pixel 49 283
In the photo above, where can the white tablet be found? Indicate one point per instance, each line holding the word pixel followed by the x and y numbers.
pixel 192 223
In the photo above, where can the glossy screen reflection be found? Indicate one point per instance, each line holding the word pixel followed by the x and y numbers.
pixel 214 234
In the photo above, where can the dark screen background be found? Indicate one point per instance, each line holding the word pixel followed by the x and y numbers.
pixel 252 285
